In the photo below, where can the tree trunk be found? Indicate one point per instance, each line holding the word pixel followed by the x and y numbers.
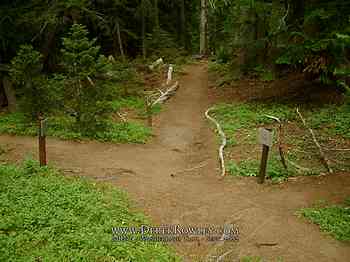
pixel 183 34
pixel 297 10
pixel 10 94
pixel 143 33
pixel 156 20
pixel 121 49
pixel 48 49
pixel 204 28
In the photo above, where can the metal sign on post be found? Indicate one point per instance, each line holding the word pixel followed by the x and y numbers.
pixel 265 138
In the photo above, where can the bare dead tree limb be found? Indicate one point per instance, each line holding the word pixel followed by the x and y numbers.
pixel 167 94
pixel 223 144
pixel 323 157
pixel 298 167
pixel 280 140
pixel 221 258
pixel 337 149
pixel 156 63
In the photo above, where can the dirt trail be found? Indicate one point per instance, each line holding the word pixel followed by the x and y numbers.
pixel 183 139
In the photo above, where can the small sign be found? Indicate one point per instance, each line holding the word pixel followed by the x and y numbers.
pixel 265 137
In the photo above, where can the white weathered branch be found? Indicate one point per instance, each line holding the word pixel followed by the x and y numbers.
pixel 298 167
pixel 337 149
pixel 220 258
pixel 170 74
pixel 280 140
pixel 156 63
pixel 167 94
pixel 283 20
pixel 90 81
pixel 223 144
pixel 323 157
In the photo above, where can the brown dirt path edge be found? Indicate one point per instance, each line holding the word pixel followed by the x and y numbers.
pixel 183 139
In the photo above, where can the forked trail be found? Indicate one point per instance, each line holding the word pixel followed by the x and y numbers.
pixel 174 180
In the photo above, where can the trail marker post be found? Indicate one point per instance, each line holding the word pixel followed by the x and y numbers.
pixel 42 141
pixel 265 138
pixel 148 107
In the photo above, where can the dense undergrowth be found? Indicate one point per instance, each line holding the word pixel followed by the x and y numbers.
pixel 48 217
pixel 240 123
pixel 63 127
pixel 333 219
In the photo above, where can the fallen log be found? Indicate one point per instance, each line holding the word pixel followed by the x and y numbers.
pixel 223 144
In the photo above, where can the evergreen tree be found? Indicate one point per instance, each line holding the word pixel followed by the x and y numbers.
pixel 39 97
pixel 87 88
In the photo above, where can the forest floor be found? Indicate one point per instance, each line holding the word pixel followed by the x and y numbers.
pixel 151 174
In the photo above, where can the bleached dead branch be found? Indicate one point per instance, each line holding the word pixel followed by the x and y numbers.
pixel 280 139
pixel 156 63
pixel 223 144
pixel 167 94
pixel 323 157
pixel 170 74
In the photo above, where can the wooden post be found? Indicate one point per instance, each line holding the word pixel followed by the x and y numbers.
pixel 148 105
pixel 265 138
pixel 263 164
pixel 42 141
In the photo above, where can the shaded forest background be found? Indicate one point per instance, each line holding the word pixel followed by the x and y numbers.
pixel 53 54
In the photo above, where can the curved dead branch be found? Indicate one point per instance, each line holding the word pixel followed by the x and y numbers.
pixel 323 158
pixel 223 144
pixel 280 140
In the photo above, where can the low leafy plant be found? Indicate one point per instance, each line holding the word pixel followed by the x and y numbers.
pixel 264 74
pixel 61 126
pixel 223 55
pixel 134 103
pixel 334 120
pixel 48 217
pixel 233 117
pixel 130 102
pixel 333 219
pixel 251 259
pixel 250 168
pixel 225 73
pixel 128 132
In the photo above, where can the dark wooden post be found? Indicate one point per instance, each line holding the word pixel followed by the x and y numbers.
pixel 263 164
pixel 148 105
pixel 42 141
